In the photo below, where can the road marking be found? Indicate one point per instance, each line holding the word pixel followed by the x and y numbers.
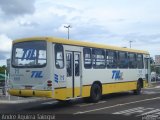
pixel 150 92
pixel 133 111
pixel 89 104
pixel 141 111
pixel 150 112
pixel 148 88
pixel 129 111
pixel 157 87
pixel 152 87
pixel 103 108
pixel 50 102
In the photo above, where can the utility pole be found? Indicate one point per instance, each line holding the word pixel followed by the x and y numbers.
pixel 68 29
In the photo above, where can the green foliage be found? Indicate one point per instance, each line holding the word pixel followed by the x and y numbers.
pixel 2 69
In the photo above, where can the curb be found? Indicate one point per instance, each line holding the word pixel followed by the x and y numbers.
pixel 19 101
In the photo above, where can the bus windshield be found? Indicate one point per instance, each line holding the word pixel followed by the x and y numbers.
pixel 29 54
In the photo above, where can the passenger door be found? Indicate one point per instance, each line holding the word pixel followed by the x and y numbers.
pixel 73 74
pixel 147 69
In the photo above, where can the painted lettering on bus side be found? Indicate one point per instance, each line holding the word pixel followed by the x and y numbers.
pixel 36 74
pixel 117 75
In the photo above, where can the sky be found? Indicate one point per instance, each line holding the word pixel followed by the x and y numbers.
pixel 110 22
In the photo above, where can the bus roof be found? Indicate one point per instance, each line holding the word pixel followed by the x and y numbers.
pixel 80 43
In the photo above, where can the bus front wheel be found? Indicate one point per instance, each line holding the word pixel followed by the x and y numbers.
pixel 96 93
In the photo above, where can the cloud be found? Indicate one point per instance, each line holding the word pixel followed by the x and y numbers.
pixel 143 38
pixel 110 22
pixel 2 57
pixel 64 7
pixel 5 48
pixel 17 7
pixel 3 62
pixel 28 24
pixel 7 42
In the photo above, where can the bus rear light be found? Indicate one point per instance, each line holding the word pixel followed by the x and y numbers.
pixel 49 81
pixel 49 84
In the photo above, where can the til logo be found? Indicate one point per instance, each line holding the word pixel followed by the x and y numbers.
pixel 36 74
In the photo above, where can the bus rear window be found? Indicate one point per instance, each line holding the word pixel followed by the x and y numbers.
pixel 29 54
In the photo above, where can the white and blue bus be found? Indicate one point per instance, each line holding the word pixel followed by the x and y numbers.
pixel 68 69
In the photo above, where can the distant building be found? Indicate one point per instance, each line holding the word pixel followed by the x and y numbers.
pixel 157 59
pixel 8 65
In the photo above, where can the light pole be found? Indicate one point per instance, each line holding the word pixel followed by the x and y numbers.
pixel 68 29
pixel 130 43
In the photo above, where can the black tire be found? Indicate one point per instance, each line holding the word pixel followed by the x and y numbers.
pixel 139 88
pixel 96 93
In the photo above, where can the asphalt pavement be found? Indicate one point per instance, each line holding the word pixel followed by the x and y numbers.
pixel 119 106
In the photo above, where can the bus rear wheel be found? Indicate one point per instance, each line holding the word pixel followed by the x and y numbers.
pixel 96 93
pixel 139 88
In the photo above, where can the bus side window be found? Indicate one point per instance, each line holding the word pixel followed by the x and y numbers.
pixel 59 56
pixel 140 61
pixel 98 58
pixel 87 58
pixel 132 60
pixel 69 64
pixel 77 65
pixel 111 59
pixel 123 60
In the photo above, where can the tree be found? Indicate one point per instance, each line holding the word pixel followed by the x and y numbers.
pixel 2 69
